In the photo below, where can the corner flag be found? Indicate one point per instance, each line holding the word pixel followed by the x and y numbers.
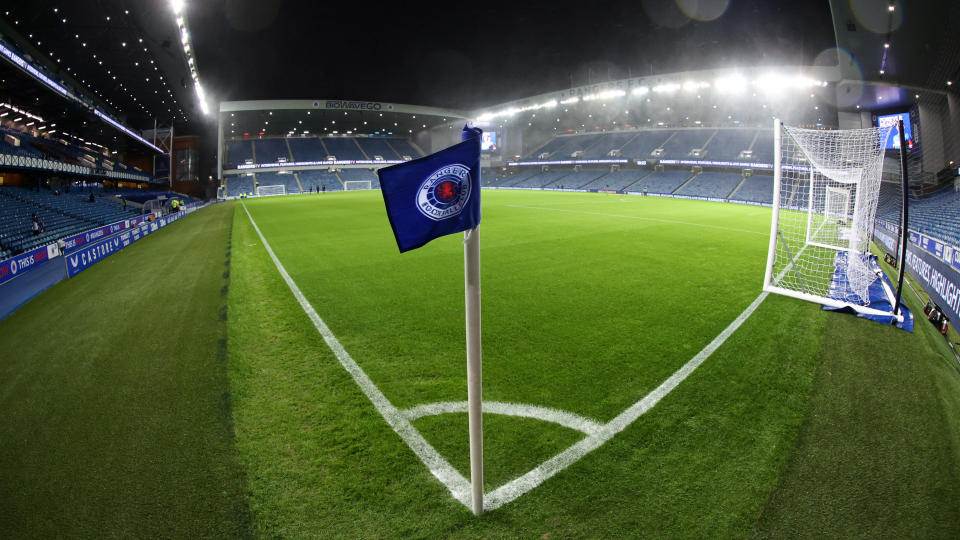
pixel 435 195
pixel 431 197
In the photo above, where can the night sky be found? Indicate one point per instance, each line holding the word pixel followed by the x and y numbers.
pixel 471 55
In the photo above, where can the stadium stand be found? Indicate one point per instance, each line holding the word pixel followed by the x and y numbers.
pixel 403 148
pixel 238 152
pixel 561 147
pixel 727 144
pixel 711 184
pixel 763 148
pixel 19 143
pixel 287 180
pixel 682 142
pixel 62 215
pixel 271 151
pixel 606 143
pixel 236 185
pixel 937 215
pixel 645 143
pixel 352 175
pixel 343 148
pixel 310 180
pixel 574 180
pixel 544 178
pixel 618 181
pixel 307 149
pixel 663 182
pixel 511 179
pixel 755 189
pixel 374 147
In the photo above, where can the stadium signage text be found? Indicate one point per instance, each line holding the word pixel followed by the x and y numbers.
pixel 12 267
pixel 294 164
pixel 355 105
pixel 937 280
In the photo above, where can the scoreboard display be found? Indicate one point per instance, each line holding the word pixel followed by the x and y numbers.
pixel 488 142
pixel 893 140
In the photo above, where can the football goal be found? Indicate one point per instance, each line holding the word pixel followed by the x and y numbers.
pixel 279 189
pixel 357 184
pixel 826 187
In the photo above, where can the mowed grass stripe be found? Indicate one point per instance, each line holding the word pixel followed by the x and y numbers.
pixel 630 295
pixel 701 464
pixel 116 408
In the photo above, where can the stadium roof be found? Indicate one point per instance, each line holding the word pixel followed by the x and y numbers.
pixel 128 57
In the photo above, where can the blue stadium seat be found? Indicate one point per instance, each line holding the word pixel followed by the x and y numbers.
pixel 755 188
pixel 373 146
pixel 238 152
pixel 307 149
pixel 271 150
pixel 664 182
pixel 343 148
pixel 711 184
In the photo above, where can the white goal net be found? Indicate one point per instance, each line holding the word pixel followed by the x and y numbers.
pixel 826 186
pixel 264 191
pixel 357 184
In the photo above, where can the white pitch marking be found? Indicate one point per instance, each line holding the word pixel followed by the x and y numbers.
pixel 556 416
pixel 643 218
pixel 458 485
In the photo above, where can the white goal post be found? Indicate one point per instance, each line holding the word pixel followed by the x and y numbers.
pixel 825 193
pixel 278 189
pixel 357 184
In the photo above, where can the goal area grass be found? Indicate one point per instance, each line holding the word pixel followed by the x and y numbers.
pixel 202 401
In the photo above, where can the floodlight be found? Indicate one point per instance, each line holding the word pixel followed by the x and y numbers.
pixel 732 84
pixel 640 90
pixel 177 6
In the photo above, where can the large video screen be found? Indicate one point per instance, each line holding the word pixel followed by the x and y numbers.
pixel 893 140
pixel 489 141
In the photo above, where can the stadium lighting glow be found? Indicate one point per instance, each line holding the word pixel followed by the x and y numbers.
pixel 734 84
pixel 569 100
pixel 606 94
pixel 691 86
pixel 641 90
pixel 664 88
pixel 176 6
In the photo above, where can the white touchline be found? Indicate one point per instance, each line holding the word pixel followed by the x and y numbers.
pixel 642 218
pixel 459 487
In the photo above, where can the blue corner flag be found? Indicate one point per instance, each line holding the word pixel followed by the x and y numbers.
pixel 435 195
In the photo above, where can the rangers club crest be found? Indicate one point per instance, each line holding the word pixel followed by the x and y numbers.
pixel 445 192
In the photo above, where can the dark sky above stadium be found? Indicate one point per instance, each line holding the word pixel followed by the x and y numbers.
pixel 474 54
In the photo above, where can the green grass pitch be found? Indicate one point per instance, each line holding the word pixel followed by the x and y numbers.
pixel 803 423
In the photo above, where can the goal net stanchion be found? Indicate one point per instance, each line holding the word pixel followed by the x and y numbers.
pixel 826 188
pixel 264 191
pixel 349 185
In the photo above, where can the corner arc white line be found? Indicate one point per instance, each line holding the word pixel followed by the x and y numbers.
pixel 642 218
pixel 458 485
pixel 547 414
pixel 522 484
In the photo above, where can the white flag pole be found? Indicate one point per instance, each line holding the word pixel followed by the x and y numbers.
pixel 471 276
